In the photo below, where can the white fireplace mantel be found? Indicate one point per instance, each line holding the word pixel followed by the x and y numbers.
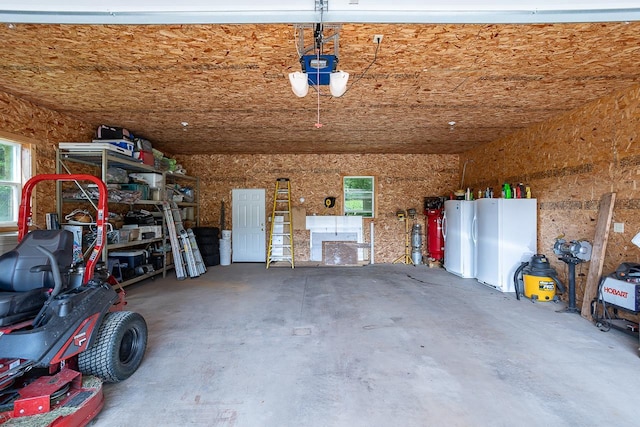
pixel 333 228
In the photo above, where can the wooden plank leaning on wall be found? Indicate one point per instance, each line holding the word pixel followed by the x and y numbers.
pixel 605 214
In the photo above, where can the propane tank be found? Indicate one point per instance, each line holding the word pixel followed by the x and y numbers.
pixel 435 241
pixel 416 244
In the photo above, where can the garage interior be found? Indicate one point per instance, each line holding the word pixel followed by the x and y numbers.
pixel 442 102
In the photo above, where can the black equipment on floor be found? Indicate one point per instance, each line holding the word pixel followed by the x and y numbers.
pixel 572 253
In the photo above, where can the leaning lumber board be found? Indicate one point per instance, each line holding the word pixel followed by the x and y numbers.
pixel 605 214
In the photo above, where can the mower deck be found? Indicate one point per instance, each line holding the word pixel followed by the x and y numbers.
pixel 64 399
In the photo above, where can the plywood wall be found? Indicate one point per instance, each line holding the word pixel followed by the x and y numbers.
pixel 44 128
pixel 570 162
pixel 402 182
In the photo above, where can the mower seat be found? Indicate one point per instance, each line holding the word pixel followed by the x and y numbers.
pixel 23 291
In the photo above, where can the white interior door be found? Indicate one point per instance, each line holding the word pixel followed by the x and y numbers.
pixel 248 237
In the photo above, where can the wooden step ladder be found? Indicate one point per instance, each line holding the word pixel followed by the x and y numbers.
pixel 281 237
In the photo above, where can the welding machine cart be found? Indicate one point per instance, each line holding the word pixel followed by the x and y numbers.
pixel 619 292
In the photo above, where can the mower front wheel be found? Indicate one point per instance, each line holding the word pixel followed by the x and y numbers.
pixel 119 347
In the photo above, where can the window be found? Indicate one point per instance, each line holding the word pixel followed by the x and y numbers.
pixel 14 170
pixel 358 195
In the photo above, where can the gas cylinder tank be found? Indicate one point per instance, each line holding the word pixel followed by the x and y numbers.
pixel 435 240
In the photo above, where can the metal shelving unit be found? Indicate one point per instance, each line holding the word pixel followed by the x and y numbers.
pixel 104 159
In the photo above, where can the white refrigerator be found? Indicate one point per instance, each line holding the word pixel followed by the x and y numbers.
pixel 506 234
pixel 459 247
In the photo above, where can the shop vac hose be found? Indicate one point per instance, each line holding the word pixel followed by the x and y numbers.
pixel 559 286
pixel 516 278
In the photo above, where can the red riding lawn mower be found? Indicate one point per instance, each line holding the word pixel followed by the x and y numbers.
pixel 61 337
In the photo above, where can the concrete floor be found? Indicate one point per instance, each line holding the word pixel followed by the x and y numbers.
pixel 383 345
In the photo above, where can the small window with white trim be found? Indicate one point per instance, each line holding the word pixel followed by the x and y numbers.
pixel 358 195
pixel 15 169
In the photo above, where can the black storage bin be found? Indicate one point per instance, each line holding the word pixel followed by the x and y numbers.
pixel 207 239
pixel 210 260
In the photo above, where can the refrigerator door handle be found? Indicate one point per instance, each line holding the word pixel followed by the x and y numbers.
pixel 444 227
pixel 474 230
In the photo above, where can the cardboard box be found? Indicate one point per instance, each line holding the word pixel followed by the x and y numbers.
pixel 134 234
pixel 137 231
pixel 155 229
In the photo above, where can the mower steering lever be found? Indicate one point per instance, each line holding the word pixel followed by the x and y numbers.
pixel 55 271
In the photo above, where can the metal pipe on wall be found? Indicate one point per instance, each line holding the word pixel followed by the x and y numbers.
pixel 371 261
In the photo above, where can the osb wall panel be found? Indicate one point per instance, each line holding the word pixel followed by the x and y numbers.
pixel 570 162
pixel 47 128
pixel 402 182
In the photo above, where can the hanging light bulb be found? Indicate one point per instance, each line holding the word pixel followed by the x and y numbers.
pixel 299 83
pixel 338 83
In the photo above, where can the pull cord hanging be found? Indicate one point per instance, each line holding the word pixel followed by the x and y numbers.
pixel 318 39
pixel 318 125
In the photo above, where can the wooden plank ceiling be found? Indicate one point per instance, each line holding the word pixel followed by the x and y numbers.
pixel 230 82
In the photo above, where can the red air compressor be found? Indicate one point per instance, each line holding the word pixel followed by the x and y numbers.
pixel 433 210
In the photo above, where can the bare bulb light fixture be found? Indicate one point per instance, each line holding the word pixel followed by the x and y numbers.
pixel 338 83
pixel 299 83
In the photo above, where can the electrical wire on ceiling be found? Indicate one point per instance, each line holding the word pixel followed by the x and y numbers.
pixel 295 41
pixel 375 57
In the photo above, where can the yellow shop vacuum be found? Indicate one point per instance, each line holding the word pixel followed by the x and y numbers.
pixel 537 280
